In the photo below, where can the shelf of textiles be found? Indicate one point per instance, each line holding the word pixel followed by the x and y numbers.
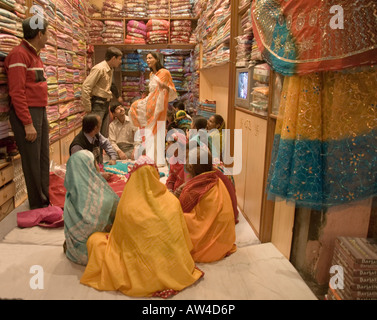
pixel 143 33
pixel 245 36
pixel 142 9
pixel 213 31
pixel 11 15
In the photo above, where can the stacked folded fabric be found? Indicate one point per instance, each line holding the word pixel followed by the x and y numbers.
pixel 78 61
pixel 51 40
pixel 157 31
pixel 51 74
pixel 9 3
pixel 243 49
pixel 7 43
pixel 62 75
pixel 49 12
pixel 112 9
pixel 79 47
pixel 136 32
pixel 180 31
pixel 174 64
pixel 70 91
pixel 52 113
pixel 180 8
pixel 256 55
pixel 131 89
pixel 64 41
pixel 113 32
pixel 53 133
pixel 4 99
pixel 10 23
pixel 79 107
pixel 63 130
pixel 95 31
pixel 62 92
pixel 158 8
pixel 77 90
pixel 62 61
pixel 94 11
pixel 52 93
pixel 48 54
pixel 135 8
pixel 69 75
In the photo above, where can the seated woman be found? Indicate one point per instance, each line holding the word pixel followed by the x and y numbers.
pixel 90 204
pixel 147 252
pixel 208 209
pixel 215 125
pixel 201 136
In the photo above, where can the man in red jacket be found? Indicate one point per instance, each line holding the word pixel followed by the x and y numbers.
pixel 28 92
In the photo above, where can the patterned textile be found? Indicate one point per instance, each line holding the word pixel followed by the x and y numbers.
pixel 297 38
pixel 325 149
pixel 145 113
pixel 90 204
pixel 147 252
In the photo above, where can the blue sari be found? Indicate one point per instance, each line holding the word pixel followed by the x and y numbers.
pixel 90 204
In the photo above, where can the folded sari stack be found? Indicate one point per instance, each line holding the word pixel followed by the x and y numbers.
pixel 51 40
pixel 79 107
pixel 136 32
pixel 70 91
pixel 95 31
pixel 131 89
pixel 3 75
pixel 94 11
pixel 174 64
pixel 52 93
pixel 7 43
pixel 10 23
pixel 78 61
pixel 48 54
pixel 52 113
pixel 158 8
pixel 4 99
pixel 53 132
pixel 113 32
pixel 180 8
pixel 243 50
pixel 62 61
pixel 62 75
pixel 256 54
pixel 51 74
pixel 71 121
pixel 180 31
pixel 62 92
pixel 112 9
pixel 69 75
pixel 64 41
pixel 135 8
pixel 49 12
pixel 157 31
pixel 9 3
pixel 63 130
pixel 79 47
pixel 77 90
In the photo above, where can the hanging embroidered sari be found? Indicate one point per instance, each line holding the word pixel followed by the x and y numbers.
pixel 90 204
pixel 300 36
pixel 325 148
pixel 147 252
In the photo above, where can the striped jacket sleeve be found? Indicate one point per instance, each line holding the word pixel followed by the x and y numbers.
pixel 16 66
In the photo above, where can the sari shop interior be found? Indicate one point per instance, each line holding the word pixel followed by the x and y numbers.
pixel 304 97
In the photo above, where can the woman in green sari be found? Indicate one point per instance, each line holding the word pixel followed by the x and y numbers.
pixel 90 204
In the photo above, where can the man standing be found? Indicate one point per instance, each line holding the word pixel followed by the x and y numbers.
pixel 28 91
pixel 96 89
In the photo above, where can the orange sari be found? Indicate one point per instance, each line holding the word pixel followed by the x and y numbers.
pixel 145 113
pixel 209 214
pixel 147 252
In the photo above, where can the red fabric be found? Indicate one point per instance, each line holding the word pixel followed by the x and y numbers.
pixel 49 217
pixel 195 189
pixel 57 190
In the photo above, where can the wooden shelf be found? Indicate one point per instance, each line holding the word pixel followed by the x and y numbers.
pixel 251 113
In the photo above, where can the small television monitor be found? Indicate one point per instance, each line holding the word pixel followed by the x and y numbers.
pixel 243 87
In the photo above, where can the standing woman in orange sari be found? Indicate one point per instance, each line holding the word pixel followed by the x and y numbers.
pixel 145 113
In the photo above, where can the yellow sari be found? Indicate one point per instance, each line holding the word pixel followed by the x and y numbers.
pixel 147 252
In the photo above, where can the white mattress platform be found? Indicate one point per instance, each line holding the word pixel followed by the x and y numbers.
pixel 256 271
